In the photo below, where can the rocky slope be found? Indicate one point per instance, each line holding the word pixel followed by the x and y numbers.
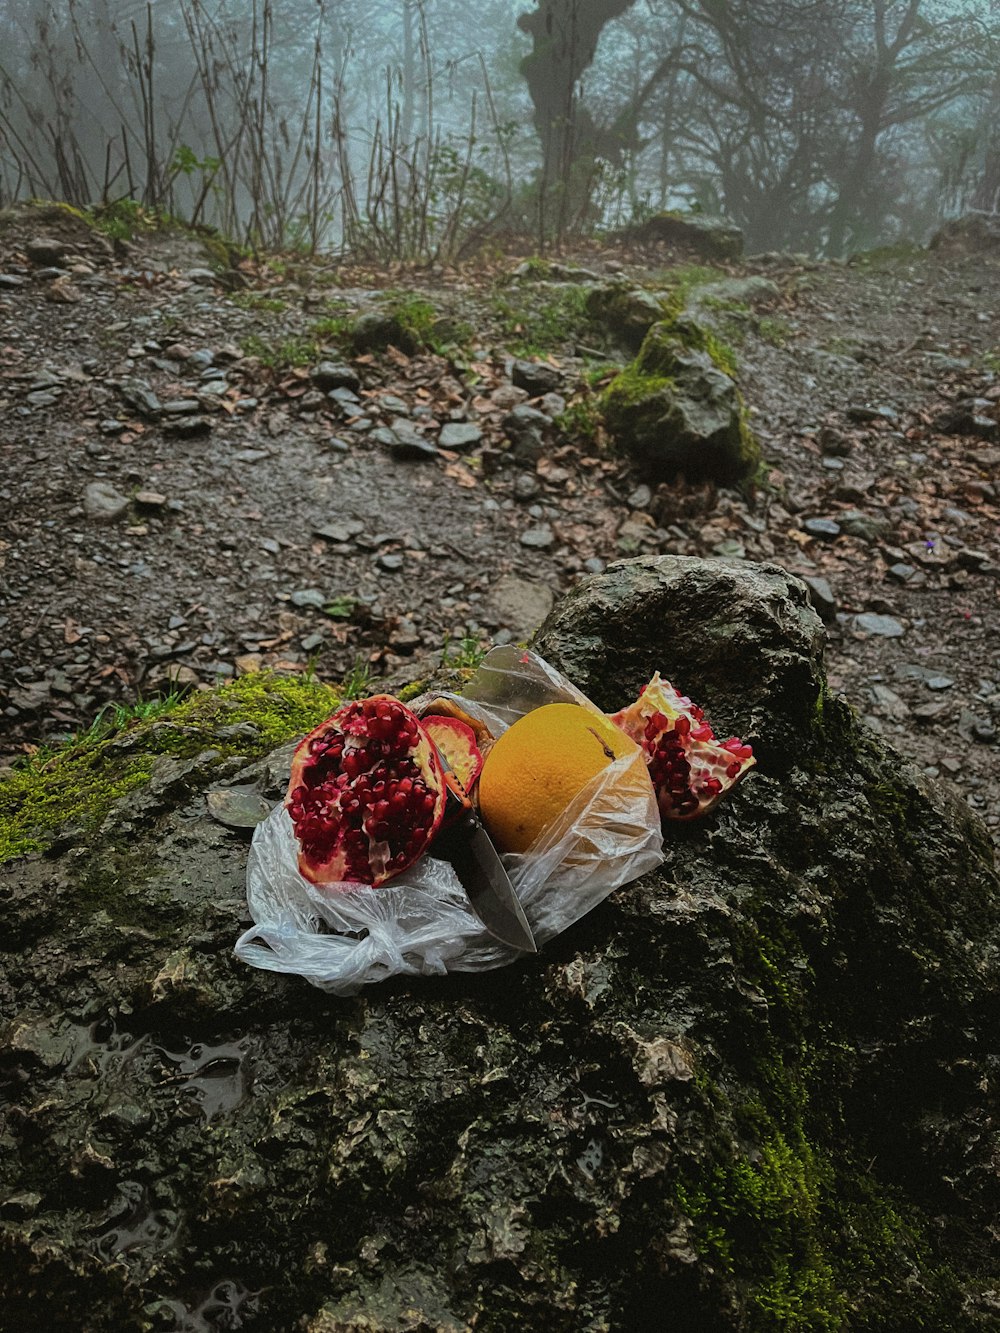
pixel 183 499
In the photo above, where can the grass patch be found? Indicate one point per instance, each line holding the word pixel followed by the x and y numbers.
pixel 774 330
pixel 582 418
pixel 78 783
pixel 538 320
pixel 467 653
pixel 685 278
pixel 268 305
pixel 290 352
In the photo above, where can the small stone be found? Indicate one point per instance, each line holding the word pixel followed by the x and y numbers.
pixel 901 572
pixel 535 378
pixel 10 281
pixel 45 250
pixel 983 731
pixel 521 604
pixel 730 549
pixel 821 596
pixel 973 560
pixel 333 375
pixel 595 565
pixel 237 807
pixel 313 597
pixel 345 399
pixel 186 428
pixel 392 561
pixel 885 627
pixel 250 455
pixel 863 526
pixel 834 443
pixel 141 398
pixel 459 435
pixel 181 407
pixel 862 412
pixel 823 528
pixel 938 683
pixel 103 503
pixel 150 499
pixel 640 498
pixel 526 486
pixel 339 529
pixel 539 537
pixel 409 445
pixel 928 712
pixel 247 663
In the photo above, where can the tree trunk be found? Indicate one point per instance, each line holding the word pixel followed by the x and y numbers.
pixel 564 35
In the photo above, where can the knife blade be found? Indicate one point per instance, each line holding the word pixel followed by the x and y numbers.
pixel 476 862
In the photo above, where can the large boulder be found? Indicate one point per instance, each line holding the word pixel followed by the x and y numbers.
pixel 625 312
pixel 755 1090
pixel 701 234
pixel 676 410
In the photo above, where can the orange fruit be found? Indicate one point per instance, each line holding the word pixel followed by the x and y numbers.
pixel 539 765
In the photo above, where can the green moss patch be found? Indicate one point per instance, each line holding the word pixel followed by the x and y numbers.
pixel 800 1226
pixel 79 783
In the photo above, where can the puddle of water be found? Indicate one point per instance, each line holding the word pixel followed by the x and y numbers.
pixel 132 1224
pixel 215 1077
pixel 100 1046
pixel 227 1306
pixel 591 1159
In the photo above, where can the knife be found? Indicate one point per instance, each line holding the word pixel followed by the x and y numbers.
pixel 476 862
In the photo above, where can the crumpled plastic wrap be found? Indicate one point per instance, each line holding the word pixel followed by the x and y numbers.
pixel 344 937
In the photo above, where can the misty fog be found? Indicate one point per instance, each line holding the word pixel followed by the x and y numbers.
pixel 417 129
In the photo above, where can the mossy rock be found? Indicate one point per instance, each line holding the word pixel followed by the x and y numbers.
pixel 701 234
pixel 754 1090
pixel 376 330
pixel 626 313
pixel 676 410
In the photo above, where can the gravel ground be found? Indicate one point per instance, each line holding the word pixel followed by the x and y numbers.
pixel 176 511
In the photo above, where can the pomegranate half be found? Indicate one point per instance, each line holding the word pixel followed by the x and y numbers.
pixel 367 793
pixel 690 769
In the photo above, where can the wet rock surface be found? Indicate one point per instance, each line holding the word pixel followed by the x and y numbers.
pixel 762 1079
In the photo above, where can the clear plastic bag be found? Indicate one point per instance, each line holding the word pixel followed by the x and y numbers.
pixel 343 937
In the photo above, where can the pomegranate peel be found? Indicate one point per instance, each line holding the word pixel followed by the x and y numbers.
pixel 456 742
pixel 440 707
pixel 691 770
pixel 367 793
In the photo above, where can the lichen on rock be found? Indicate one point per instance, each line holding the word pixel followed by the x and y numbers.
pixel 755 1089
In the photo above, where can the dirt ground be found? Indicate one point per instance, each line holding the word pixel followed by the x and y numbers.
pixel 174 511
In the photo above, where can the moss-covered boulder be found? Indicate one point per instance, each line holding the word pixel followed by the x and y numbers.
pixel 624 312
pixel 754 1091
pixel 699 233
pixel 676 409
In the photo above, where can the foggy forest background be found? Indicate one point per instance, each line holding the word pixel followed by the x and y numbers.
pixel 419 129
